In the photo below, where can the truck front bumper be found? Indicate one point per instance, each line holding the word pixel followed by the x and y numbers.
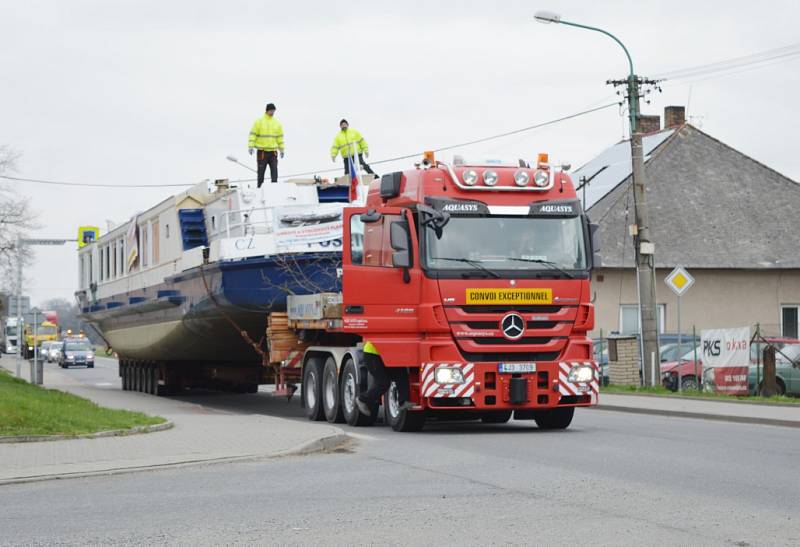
pixel 484 386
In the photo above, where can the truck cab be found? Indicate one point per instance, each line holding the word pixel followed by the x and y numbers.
pixel 472 282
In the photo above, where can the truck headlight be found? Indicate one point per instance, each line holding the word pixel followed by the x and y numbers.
pixel 448 375
pixel 581 374
pixel 490 178
pixel 521 178
pixel 541 178
pixel 90 356
pixel 70 358
pixel 470 177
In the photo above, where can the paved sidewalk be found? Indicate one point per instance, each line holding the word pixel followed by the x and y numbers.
pixel 709 409
pixel 201 434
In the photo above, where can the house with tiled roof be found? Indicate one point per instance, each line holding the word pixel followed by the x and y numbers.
pixel 726 217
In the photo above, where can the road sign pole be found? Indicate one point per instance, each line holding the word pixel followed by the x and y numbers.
pixel 35 339
pixel 680 349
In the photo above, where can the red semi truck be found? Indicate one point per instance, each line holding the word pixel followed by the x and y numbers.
pixel 472 282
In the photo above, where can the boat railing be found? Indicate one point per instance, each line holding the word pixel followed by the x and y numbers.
pixel 243 222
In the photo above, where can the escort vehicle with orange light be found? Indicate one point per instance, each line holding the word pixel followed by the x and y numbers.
pixel 472 283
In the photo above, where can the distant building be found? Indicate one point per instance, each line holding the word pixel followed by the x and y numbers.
pixel 8 305
pixel 730 220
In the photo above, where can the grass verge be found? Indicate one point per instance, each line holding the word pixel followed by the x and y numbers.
pixel 664 392
pixel 26 409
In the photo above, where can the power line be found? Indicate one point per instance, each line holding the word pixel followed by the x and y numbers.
pixel 782 53
pixel 476 141
pixel 91 185
pixel 328 170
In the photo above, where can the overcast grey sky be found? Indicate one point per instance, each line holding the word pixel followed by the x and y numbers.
pixel 159 92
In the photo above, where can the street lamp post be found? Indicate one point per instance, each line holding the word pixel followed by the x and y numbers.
pixel 21 242
pixel 236 161
pixel 644 248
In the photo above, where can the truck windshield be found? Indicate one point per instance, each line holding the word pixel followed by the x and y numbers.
pixel 11 330
pixel 47 330
pixel 507 243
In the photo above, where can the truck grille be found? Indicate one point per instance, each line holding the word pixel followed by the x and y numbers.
pixel 479 336
pixel 508 357
pixel 505 309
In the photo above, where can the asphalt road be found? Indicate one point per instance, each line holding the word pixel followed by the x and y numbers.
pixel 611 479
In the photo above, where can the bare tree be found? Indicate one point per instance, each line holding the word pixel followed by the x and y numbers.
pixel 16 219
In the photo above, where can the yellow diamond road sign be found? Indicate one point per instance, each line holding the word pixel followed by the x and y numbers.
pixel 679 280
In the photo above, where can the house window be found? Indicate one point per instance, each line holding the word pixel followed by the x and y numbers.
pixel 102 264
pixel 166 231
pixel 789 317
pixel 629 318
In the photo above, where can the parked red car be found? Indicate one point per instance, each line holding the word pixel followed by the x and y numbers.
pixel 689 371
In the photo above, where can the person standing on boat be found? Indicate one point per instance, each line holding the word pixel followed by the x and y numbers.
pixel 349 142
pixel 266 138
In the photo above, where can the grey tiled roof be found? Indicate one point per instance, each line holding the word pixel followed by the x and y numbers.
pixel 710 207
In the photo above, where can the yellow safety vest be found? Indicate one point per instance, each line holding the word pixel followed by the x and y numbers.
pixel 348 143
pixel 266 134
pixel 369 347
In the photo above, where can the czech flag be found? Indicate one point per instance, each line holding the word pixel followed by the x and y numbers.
pixel 353 178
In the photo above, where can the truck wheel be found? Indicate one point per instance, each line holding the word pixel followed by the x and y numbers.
pixel 496 417
pixel 401 419
pixel 349 392
pixel 331 400
pixel 557 418
pixel 312 389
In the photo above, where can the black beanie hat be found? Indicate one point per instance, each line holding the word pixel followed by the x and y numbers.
pixel 271 106
pixel 344 121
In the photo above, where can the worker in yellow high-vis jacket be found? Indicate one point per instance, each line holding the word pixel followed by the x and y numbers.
pixel 349 143
pixel 382 377
pixel 266 137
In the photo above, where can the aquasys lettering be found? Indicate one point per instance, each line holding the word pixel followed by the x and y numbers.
pixel 555 209
pixel 461 207
pixel 509 296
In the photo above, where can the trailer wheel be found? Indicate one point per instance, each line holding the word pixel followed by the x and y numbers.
pixel 349 392
pixel 496 417
pixel 331 395
pixel 557 418
pixel 312 389
pixel 401 419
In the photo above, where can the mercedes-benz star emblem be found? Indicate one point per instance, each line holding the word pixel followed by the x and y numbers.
pixel 513 326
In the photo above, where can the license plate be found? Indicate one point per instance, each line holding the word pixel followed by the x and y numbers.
pixel 516 368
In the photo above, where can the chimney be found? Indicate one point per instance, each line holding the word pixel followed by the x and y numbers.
pixel 649 124
pixel 674 116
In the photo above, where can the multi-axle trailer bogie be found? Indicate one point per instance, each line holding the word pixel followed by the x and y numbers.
pixel 332 377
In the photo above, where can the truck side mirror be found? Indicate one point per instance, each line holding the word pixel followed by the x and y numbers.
pixel 594 240
pixel 371 216
pixel 400 239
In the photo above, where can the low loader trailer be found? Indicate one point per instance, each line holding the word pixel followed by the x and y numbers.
pixel 472 284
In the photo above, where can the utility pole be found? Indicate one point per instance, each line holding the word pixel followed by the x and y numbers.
pixel 20 326
pixel 644 248
pixel 643 244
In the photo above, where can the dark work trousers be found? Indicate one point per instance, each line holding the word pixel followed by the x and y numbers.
pixel 381 378
pixel 366 167
pixel 265 158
